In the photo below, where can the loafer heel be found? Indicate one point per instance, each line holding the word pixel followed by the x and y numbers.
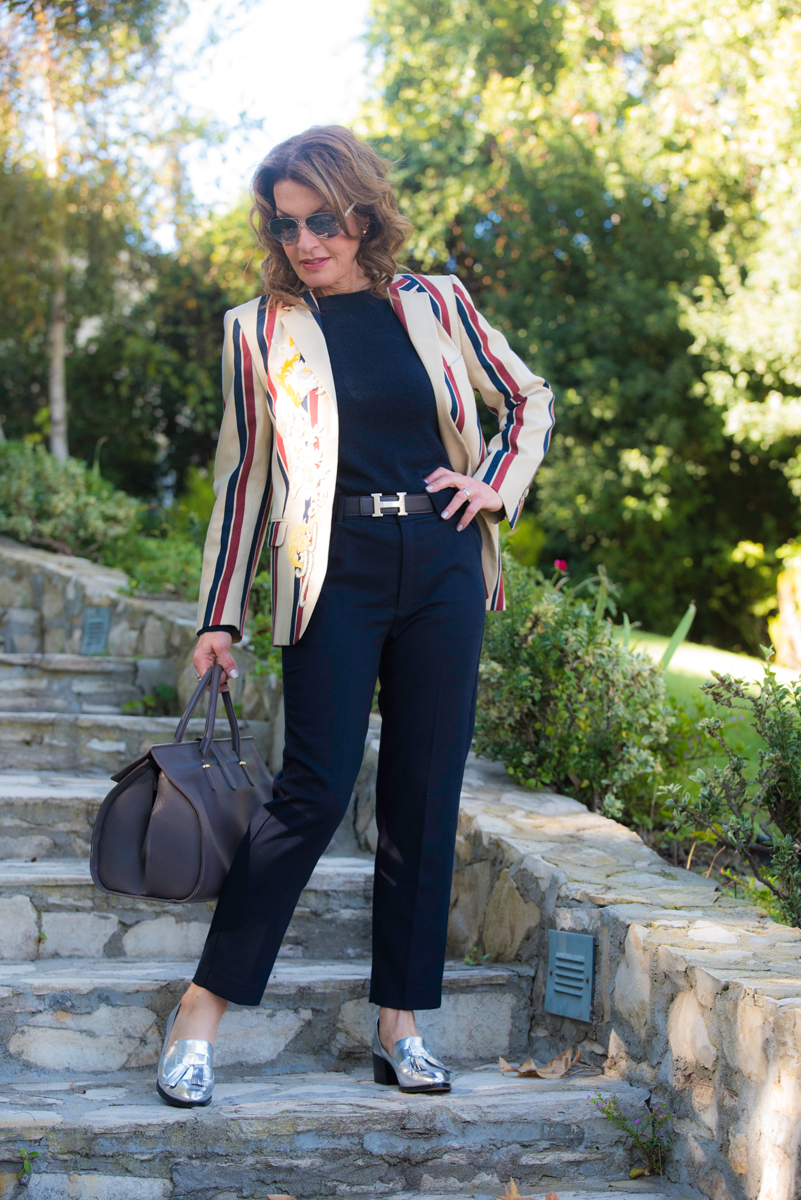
pixel 382 1071
pixel 412 1066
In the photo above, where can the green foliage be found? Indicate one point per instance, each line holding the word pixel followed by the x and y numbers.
pixel 651 1134
pixel 757 817
pixel 527 541
pixel 161 702
pixel 63 506
pixel 25 1172
pixel 591 172
pixel 157 561
pixel 150 381
pixel 562 703
pixel 260 624
pixel 86 82
pixel 753 891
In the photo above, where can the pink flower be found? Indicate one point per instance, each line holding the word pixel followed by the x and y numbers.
pixel 560 564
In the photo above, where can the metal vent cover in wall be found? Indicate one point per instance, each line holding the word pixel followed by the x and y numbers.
pixel 571 962
pixel 96 623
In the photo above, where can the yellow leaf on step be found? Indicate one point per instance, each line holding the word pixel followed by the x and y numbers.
pixel 637 1173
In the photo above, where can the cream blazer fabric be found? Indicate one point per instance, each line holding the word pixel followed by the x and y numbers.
pixel 276 465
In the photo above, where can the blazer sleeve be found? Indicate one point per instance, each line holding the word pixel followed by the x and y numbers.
pixel 522 402
pixel 242 487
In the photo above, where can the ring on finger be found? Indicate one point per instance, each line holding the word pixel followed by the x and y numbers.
pixel 467 492
pixel 197 676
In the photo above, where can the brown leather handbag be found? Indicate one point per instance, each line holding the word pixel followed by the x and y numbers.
pixel 169 829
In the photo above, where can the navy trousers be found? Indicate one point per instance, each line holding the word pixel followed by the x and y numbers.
pixel 403 602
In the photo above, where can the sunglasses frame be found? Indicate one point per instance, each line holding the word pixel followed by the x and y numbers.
pixel 298 224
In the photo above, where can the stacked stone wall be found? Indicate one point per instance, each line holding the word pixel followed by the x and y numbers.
pixel 697 996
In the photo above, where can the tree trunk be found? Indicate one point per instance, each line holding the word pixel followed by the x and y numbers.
pixel 57 385
pixel 57 381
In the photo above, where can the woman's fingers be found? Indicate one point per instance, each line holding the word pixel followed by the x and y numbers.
pixel 478 495
pixel 442 478
pixel 212 648
pixel 467 516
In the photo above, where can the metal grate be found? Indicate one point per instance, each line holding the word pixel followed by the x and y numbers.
pixel 571 961
pixel 96 623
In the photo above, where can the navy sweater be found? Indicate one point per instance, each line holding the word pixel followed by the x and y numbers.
pixel 388 435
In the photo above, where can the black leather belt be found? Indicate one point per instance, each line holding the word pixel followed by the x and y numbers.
pixel 376 505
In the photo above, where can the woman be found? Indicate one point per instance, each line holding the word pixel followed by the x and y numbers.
pixel 351 439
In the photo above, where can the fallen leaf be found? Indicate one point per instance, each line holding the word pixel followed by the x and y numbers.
pixel 511 1193
pixel 551 1196
pixel 637 1173
pixel 280 1196
pixel 557 1068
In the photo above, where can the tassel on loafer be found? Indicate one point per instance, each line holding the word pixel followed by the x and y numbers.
pixel 411 1066
pixel 185 1077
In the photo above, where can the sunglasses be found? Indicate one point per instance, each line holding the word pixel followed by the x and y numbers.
pixel 323 225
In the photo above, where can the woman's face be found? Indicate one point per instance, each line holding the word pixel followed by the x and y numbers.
pixel 326 264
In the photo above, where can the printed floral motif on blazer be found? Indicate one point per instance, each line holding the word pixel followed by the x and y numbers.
pixel 276 464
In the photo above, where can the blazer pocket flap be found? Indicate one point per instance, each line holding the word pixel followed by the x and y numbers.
pixel 275 532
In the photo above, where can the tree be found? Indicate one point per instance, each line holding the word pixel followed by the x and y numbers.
pixel 148 383
pixel 73 76
pixel 569 162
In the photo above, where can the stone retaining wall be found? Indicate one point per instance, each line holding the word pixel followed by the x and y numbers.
pixel 43 602
pixel 697 996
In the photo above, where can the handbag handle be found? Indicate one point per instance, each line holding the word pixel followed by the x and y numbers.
pixel 212 679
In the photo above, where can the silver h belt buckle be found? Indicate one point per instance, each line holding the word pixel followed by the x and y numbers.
pixel 379 504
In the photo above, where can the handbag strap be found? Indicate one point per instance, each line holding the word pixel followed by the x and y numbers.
pixel 210 679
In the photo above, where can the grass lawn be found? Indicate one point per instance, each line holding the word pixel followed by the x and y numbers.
pixel 692 665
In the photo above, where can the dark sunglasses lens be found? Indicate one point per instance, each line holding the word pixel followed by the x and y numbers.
pixel 284 229
pixel 323 225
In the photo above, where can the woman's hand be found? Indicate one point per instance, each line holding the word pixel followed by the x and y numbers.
pixel 480 495
pixel 212 648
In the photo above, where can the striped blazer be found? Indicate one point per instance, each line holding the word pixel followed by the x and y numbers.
pixel 276 465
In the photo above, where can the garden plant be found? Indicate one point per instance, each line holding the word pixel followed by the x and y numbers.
pixel 756 816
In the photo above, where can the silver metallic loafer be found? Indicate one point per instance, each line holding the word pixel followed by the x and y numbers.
pixel 411 1065
pixel 185 1078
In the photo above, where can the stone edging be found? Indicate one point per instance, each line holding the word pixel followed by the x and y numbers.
pixel 697 996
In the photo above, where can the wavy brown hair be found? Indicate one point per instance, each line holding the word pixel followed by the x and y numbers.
pixel 344 170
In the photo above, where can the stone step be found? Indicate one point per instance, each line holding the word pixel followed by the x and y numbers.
pixel 653 1190
pixel 78 684
pixel 51 909
pixel 316 1136
pixel 48 814
pixel 74 741
pixel 101 1015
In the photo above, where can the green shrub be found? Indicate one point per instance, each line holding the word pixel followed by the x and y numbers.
pixel 756 815
pixel 157 562
pixel 62 506
pixel 260 624
pixel 562 702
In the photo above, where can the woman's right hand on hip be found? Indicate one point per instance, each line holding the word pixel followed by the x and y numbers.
pixel 212 648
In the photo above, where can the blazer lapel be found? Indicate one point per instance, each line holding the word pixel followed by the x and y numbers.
pixel 433 345
pixel 302 326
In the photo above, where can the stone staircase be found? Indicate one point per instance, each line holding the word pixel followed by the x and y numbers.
pixel 87 981
pixel 62 712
